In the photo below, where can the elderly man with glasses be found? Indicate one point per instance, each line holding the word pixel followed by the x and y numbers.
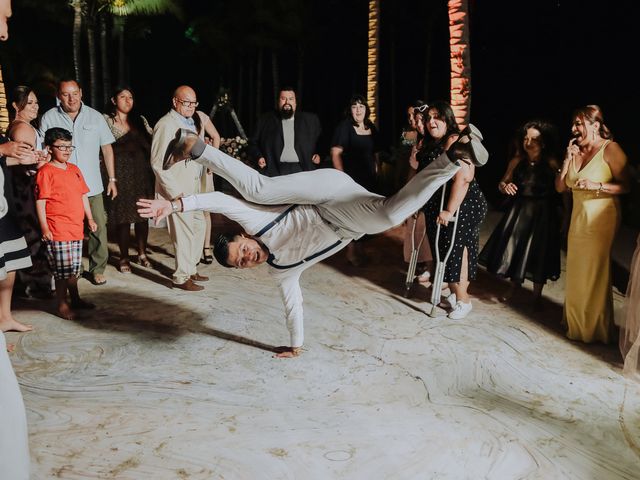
pixel 187 229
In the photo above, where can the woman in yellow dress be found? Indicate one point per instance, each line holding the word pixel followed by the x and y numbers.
pixel 594 169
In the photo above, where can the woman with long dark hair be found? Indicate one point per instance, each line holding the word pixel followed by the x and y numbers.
pixel 462 195
pixel 131 151
pixel 526 241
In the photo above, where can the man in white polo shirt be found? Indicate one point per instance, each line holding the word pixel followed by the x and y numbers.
pixel 91 135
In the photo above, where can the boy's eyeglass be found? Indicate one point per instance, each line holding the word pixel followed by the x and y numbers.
pixel 187 103
pixel 64 148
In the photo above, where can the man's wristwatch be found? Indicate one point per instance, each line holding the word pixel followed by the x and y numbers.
pixel 175 206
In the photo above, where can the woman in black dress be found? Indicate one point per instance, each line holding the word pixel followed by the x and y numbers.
pixel 14 253
pixel 131 151
pixel 526 242
pixel 462 194
pixel 354 150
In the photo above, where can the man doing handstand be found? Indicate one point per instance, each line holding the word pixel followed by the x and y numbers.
pixel 295 221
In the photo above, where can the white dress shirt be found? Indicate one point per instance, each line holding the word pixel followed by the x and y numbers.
pixel 294 243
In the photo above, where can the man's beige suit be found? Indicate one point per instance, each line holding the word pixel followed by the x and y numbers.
pixel 187 229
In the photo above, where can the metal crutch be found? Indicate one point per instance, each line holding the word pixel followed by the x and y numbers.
pixel 413 261
pixel 438 276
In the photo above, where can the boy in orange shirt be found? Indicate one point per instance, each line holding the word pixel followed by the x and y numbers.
pixel 62 204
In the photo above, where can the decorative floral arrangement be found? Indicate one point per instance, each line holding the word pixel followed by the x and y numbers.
pixel 223 101
pixel 235 147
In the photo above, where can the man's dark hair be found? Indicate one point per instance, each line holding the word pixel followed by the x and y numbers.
pixel 56 133
pixel 67 80
pixel 287 88
pixel 221 248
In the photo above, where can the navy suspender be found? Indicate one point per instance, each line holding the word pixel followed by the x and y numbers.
pixel 308 259
pixel 273 223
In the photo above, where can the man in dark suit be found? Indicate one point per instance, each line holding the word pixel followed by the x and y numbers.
pixel 285 140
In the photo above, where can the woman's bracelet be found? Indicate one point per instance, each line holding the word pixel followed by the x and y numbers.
pixel 600 189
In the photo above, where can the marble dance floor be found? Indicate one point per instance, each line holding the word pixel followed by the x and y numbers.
pixel 165 384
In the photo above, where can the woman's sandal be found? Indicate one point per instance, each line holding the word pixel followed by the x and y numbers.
pixel 124 266
pixel 207 259
pixel 144 261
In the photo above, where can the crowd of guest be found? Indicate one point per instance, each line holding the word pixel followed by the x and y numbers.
pixel 73 173
pixel 76 172
pixel 117 157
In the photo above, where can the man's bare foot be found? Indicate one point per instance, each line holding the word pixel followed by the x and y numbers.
pixel 12 325
pixel 64 311
pixel 11 347
pixel 287 352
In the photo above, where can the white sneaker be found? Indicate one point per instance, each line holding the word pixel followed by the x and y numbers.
pixel 424 277
pixel 460 310
pixel 450 301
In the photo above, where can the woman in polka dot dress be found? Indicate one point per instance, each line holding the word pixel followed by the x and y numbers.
pixel 463 194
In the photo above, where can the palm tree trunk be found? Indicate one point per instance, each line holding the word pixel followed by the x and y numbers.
pixel 392 78
pixel 259 81
pixel 119 22
pixel 104 60
pixel 77 34
pixel 93 69
pixel 300 71
pixel 275 73
pixel 460 60
pixel 372 58
pixel 250 99
pixel 240 87
pixel 4 112
pixel 427 55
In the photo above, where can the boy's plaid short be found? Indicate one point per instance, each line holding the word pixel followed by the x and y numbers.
pixel 65 258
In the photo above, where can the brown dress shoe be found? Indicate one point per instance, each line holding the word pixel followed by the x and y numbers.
pixel 199 278
pixel 189 286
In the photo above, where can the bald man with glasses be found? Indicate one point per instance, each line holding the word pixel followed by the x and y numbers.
pixel 188 229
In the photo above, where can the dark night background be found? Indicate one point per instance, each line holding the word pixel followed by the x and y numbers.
pixel 529 59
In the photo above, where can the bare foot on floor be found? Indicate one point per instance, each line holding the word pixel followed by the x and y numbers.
pixel 11 347
pixel 12 325
pixel 64 311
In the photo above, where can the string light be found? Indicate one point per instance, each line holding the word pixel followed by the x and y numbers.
pixel 372 59
pixel 4 113
pixel 460 62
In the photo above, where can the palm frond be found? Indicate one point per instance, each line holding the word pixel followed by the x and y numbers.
pixel 144 7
